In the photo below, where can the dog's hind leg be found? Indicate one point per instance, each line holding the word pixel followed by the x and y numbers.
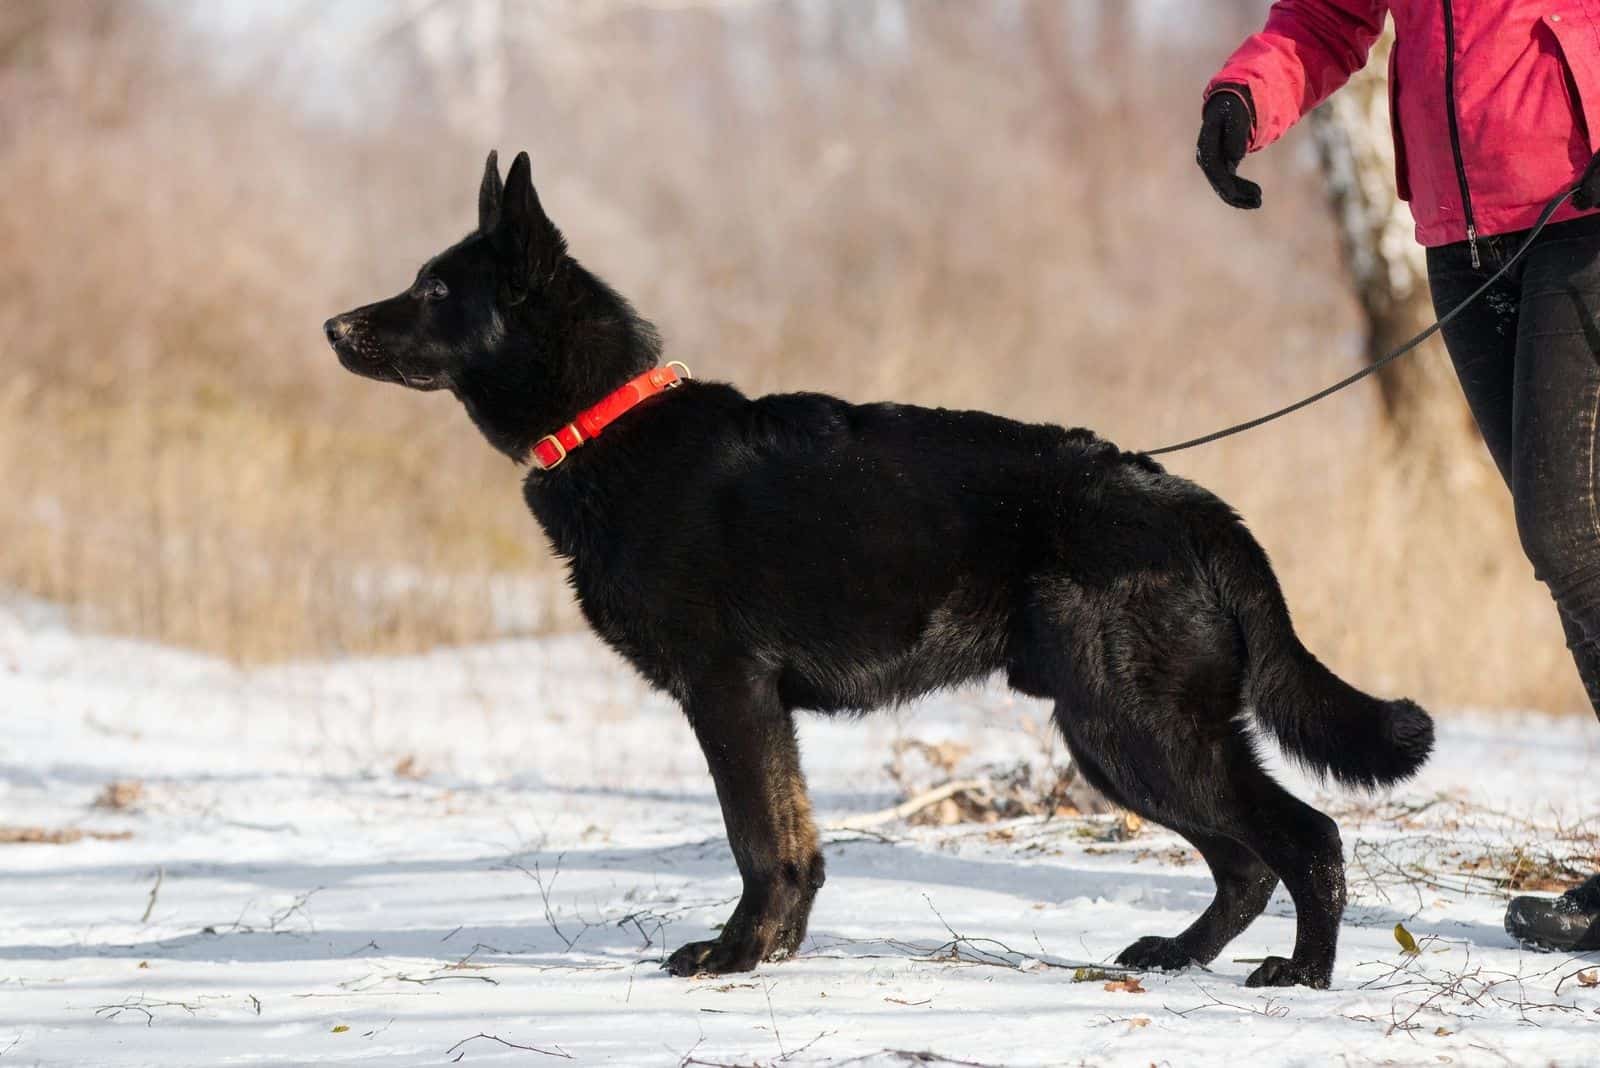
pixel 1302 845
pixel 749 743
pixel 1244 886
pixel 1209 785
pixel 1149 689
pixel 1244 882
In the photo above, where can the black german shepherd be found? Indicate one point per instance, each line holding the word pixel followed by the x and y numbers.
pixel 752 557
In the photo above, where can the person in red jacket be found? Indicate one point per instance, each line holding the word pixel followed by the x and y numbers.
pixel 1495 107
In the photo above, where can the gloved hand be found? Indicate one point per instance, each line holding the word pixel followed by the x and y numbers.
pixel 1224 140
pixel 1587 196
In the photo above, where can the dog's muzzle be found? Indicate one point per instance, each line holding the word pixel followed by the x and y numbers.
pixel 353 343
pixel 338 328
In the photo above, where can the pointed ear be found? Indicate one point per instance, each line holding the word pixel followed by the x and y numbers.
pixel 489 195
pixel 527 239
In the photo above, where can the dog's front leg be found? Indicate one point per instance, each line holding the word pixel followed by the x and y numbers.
pixel 748 739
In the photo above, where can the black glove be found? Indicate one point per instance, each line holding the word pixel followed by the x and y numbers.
pixel 1587 195
pixel 1224 139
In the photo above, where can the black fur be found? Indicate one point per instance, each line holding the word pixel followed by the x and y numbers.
pixel 754 557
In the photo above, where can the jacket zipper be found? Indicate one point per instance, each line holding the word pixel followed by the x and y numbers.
pixel 1455 127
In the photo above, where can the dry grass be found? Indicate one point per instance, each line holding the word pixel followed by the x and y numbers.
pixel 56 835
pixel 184 460
pixel 966 218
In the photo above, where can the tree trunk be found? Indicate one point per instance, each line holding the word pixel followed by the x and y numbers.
pixel 1422 404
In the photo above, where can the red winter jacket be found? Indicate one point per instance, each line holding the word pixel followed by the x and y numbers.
pixel 1494 103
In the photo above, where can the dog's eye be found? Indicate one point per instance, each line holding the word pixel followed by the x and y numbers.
pixel 430 289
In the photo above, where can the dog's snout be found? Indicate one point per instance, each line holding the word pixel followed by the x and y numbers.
pixel 337 329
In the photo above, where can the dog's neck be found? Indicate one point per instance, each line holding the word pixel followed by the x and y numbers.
pixel 581 345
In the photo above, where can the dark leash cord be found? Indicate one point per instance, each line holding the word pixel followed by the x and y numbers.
pixel 1384 361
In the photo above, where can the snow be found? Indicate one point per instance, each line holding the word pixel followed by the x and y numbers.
pixel 378 860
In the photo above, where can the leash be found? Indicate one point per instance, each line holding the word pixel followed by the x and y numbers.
pixel 1384 361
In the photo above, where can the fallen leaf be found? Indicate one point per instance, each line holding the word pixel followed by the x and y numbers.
pixel 1589 978
pixel 122 794
pixel 942 755
pixel 1443 1031
pixel 144 964
pixel 1140 1021
pixel 341 1029
pixel 1408 945
pixel 1130 985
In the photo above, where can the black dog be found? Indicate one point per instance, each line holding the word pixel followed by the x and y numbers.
pixel 754 557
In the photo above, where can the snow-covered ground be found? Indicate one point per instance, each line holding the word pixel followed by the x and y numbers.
pixel 482 855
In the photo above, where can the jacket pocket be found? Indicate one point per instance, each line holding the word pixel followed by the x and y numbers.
pixel 1575 39
pixel 1402 170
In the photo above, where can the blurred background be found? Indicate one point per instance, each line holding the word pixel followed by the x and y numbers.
pixel 979 205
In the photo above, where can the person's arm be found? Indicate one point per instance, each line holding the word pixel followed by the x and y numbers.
pixel 1308 49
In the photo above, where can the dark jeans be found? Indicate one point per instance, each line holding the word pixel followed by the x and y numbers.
pixel 1528 356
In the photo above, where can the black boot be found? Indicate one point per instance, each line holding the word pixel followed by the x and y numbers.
pixel 1569 923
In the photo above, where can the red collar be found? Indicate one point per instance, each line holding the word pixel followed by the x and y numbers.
pixel 548 452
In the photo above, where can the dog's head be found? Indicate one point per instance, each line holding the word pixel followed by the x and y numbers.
pixel 504 319
pixel 461 308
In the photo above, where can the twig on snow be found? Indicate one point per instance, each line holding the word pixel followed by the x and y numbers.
pixel 298 905
pixel 555 1052
pixel 914 1056
pixel 909 807
pixel 141 1004
pixel 1271 1009
pixel 537 875
pixel 424 980
pixel 772 1016
pixel 1587 969
pixel 149 907
pixel 977 952
pixel 689 1059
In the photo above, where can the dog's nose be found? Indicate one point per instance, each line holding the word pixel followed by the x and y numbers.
pixel 337 329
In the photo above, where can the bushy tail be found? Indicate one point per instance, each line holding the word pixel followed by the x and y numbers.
pixel 1317 717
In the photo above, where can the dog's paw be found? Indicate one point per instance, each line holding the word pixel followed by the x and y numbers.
pixel 1154 953
pixel 1281 971
pixel 710 958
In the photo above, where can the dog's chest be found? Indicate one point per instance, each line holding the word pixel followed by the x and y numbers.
pixel 637 622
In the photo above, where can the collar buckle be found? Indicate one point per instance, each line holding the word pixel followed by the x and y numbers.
pixel 560 451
